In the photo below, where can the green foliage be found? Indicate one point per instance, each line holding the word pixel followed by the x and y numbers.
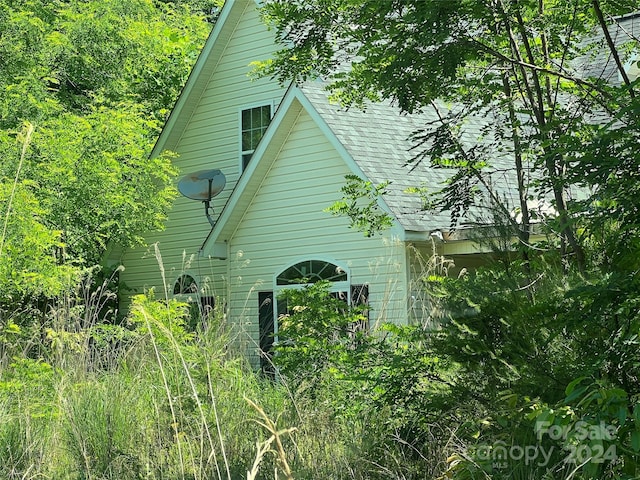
pixel 501 364
pixel 157 401
pixel 609 168
pixel 527 349
pixel 73 55
pixel 319 330
pixel 29 265
pixel 165 322
pixel 504 82
pixel 80 418
pixel 81 160
pixel 326 355
pixel 28 248
pixel 529 328
pixel 27 409
pixel 588 434
pixel 503 335
pixel 361 204
pixel 93 82
pixel 597 425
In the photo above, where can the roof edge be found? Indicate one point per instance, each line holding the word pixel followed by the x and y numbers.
pixel 294 95
pixel 222 23
pixel 284 109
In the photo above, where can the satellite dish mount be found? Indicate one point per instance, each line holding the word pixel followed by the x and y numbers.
pixel 207 205
pixel 203 185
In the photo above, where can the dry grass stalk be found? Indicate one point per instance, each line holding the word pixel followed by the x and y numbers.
pixel 265 447
pixel 25 136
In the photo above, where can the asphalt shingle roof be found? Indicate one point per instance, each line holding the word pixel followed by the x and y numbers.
pixel 378 139
pixel 625 34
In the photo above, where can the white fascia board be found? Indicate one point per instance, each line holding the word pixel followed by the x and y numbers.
pixel 397 230
pixel 213 244
pixel 194 76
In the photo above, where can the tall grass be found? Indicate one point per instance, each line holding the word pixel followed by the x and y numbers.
pixel 154 400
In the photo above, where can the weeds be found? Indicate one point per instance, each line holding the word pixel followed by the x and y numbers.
pixel 153 398
pixel 149 400
pixel 271 445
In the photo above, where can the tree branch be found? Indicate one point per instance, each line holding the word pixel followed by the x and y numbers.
pixel 579 81
pixel 612 46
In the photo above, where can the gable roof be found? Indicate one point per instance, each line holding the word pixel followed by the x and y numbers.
pixel 379 139
pixel 202 71
pixel 375 143
pixel 292 105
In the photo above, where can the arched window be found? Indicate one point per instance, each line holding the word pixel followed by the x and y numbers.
pixel 185 284
pixel 311 271
pixel 201 305
pixel 297 275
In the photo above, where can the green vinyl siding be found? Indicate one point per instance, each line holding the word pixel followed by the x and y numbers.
pixel 281 220
pixel 285 223
pixel 208 139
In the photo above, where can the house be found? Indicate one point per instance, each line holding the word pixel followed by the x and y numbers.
pixel 285 152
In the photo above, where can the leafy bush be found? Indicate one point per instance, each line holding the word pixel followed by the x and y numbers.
pixel 384 383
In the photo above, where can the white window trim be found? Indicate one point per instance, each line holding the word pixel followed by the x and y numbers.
pixel 342 286
pixel 186 297
pixel 269 103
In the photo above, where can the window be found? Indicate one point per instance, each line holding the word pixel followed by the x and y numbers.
pixel 186 290
pixel 311 271
pixel 185 284
pixel 298 276
pixel 254 123
pixel 266 332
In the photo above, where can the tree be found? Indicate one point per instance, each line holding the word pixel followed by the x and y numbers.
pixel 521 339
pixel 521 62
pixel 95 81
pixel 27 246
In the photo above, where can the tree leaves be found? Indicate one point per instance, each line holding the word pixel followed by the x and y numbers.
pixel 95 79
pixel 517 69
pixel 360 204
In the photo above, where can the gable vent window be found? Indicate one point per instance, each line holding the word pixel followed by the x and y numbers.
pixel 254 123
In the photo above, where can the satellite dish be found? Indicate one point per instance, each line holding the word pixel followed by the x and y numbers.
pixel 203 185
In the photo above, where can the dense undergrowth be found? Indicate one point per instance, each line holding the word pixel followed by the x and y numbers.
pixel 529 369
pixel 538 382
pixel 85 399
pixel 519 379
